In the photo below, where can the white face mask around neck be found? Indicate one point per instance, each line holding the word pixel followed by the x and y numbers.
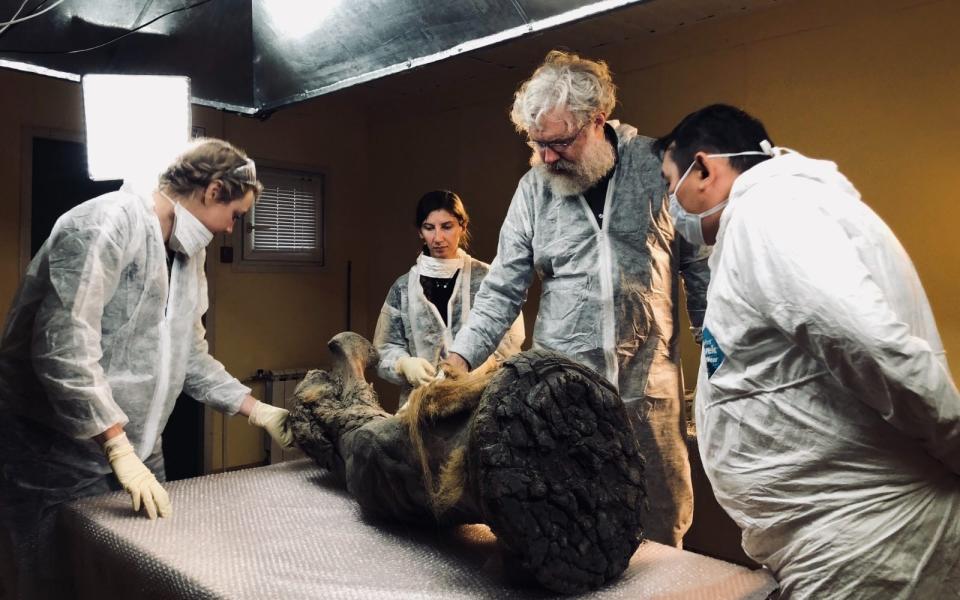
pixel 439 268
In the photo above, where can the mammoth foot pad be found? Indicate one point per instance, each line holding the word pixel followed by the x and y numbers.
pixel 556 470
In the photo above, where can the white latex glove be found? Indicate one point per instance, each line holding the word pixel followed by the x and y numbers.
pixel 136 478
pixel 418 371
pixel 274 420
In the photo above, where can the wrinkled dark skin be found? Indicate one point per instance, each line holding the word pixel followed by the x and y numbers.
pixel 547 458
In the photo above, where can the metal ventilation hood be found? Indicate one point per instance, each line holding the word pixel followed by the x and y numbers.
pixel 254 56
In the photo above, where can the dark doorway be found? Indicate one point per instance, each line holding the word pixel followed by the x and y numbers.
pixel 59 182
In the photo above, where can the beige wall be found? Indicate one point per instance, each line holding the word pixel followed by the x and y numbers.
pixel 26 101
pixel 874 86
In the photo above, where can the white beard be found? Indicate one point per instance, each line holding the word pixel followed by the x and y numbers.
pixel 572 178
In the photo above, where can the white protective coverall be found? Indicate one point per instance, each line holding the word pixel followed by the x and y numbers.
pixel 415 328
pixel 97 335
pixel 608 301
pixel 828 422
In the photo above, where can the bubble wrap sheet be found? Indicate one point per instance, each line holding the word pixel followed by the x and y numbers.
pixel 290 531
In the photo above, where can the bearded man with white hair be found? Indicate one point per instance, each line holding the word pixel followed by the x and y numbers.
pixel 590 218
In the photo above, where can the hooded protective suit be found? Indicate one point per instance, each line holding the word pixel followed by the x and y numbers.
pixel 100 332
pixel 828 422
pixel 410 325
pixel 608 301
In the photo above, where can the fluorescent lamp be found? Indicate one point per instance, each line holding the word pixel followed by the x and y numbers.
pixel 295 19
pixel 136 124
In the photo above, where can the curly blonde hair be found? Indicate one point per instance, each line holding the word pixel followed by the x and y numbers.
pixel 585 87
pixel 206 160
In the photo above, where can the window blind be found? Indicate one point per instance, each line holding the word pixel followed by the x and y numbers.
pixel 285 219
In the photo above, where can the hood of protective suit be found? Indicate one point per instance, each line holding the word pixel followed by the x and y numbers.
pixel 792 164
pixel 625 133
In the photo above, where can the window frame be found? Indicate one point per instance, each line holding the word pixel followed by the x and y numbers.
pixel 247 258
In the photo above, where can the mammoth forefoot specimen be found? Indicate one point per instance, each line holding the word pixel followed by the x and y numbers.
pixel 541 450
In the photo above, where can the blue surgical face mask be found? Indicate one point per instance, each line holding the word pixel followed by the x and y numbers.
pixel 690 225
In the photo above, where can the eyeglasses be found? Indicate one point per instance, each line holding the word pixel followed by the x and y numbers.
pixel 557 146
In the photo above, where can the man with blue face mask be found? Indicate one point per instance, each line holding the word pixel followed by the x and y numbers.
pixel 827 419
pixel 690 225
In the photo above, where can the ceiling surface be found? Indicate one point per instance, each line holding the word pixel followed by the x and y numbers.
pixel 256 56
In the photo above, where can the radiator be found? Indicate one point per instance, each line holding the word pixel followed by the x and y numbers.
pixel 278 387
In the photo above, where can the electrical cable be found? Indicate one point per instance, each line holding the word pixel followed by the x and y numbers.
pixel 108 42
pixel 15 15
pixel 15 20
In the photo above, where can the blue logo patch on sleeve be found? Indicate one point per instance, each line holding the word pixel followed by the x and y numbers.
pixel 711 353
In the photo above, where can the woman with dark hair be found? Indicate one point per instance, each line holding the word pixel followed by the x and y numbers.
pixel 428 305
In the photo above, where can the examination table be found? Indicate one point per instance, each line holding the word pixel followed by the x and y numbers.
pixel 290 531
